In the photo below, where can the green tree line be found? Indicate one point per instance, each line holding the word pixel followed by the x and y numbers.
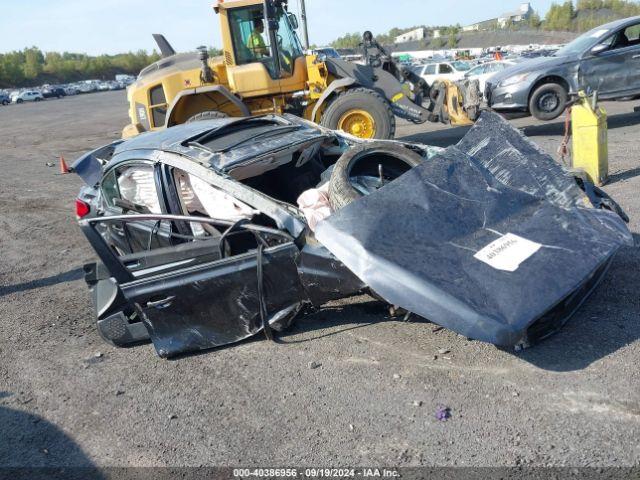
pixel 353 40
pixel 31 66
pixel 587 14
pixel 567 16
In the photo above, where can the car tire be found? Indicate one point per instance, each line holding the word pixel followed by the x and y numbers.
pixel 37 99
pixel 5 102
pixel 395 158
pixel 19 100
pixel 209 115
pixel 364 102
pixel 548 101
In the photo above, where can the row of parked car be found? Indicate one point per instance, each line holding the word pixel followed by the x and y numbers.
pixel 481 69
pixel 603 60
pixel 59 91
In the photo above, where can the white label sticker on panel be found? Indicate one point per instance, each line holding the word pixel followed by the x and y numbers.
pixel 507 252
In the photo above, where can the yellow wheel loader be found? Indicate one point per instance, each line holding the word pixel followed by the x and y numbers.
pixel 264 70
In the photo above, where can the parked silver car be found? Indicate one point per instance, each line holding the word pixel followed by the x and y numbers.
pixel 605 59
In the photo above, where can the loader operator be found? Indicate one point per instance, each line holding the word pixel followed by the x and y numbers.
pixel 255 42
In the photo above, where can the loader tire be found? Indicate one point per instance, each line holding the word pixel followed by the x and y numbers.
pixel 364 160
pixel 209 115
pixel 360 112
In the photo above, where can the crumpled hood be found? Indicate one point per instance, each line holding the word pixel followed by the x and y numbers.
pixel 485 238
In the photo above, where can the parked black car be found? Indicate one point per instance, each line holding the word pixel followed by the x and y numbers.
pixel 53 92
pixel 204 239
pixel 605 59
pixel 4 99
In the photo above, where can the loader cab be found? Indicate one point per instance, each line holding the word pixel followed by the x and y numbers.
pixel 261 48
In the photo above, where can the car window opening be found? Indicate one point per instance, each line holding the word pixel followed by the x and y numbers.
pixel 287 181
pixel 200 199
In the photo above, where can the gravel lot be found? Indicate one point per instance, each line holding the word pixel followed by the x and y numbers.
pixel 66 398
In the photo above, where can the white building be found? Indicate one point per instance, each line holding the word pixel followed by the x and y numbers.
pixel 521 15
pixel 411 36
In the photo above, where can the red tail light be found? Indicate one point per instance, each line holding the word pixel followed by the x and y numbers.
pixel 82 209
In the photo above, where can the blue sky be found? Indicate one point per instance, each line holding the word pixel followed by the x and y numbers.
pixel 113 26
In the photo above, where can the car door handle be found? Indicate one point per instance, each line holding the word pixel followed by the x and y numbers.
pixel 162 303
pixel 636 56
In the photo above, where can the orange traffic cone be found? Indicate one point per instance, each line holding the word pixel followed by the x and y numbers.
pixel 63 166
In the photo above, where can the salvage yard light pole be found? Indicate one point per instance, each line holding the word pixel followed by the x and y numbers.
pixel 305 31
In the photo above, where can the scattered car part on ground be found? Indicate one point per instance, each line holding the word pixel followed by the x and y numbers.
pixel 490 238
pixel 604 59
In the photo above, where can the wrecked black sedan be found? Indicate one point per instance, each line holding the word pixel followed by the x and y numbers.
pixel 211 232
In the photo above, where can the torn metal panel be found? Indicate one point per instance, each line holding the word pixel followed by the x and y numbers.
pixel 415 241
pixel 324 277
pixel 517 162
pixel 213 305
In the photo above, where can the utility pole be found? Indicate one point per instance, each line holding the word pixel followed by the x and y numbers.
pixel 305 31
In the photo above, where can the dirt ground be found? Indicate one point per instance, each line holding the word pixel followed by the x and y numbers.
pixel 67 398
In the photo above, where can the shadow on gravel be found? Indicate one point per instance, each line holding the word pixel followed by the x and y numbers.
pixel 71 275
pixel 362 314
pixel 557 128
pixel 625 175
pixel 32 448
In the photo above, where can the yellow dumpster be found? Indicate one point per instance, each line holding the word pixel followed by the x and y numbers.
pixel 589 132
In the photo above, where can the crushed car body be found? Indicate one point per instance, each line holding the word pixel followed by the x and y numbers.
pixel 211 232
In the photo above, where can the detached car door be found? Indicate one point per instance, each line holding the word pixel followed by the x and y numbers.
pixel 197 295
